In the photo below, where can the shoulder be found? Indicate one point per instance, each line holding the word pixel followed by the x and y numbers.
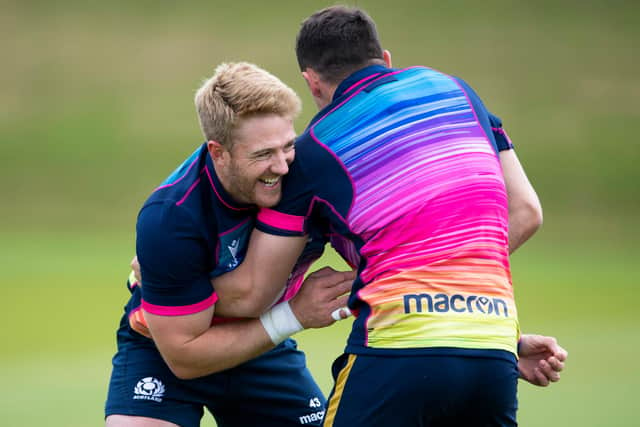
pixel 166 213
pixel 471 93
pixel 491 123
pixel 162 225
pixel 171 242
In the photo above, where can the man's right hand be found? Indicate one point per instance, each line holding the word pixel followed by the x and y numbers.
pixel 322 292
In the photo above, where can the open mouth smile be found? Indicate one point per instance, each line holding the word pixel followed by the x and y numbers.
pixel 272 182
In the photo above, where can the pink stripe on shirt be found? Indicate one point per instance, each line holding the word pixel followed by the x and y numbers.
pixel 280 220
pixel 181 310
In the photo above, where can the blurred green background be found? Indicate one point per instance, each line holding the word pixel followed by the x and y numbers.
pixel 96 109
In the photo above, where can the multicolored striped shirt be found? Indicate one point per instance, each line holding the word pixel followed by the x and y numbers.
pixel 402 171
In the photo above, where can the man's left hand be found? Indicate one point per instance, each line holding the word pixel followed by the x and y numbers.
pixel 541 359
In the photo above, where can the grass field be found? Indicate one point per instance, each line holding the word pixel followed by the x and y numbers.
pixel 58 331
pixel 96 110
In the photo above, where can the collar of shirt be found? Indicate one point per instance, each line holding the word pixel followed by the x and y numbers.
pixel 358 78
pixel 348 85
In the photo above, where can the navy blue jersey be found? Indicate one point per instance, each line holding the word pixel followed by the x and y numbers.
pixel 191 230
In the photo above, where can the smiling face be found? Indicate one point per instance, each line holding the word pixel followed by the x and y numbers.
pixel 252 170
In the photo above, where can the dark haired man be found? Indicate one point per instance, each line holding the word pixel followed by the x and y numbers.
pixel 417 185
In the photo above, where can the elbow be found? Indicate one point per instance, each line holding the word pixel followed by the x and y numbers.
pixel 184 365
pixel 186 374
pixel 185 371
pixel 244 302
pixel 243 299
pixel 524 222
pixel 534 214
pixel 531 218
pixel 180 369
pixel 528 216
pixel 242 292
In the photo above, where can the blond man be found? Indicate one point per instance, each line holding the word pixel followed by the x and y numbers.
pixel 177 351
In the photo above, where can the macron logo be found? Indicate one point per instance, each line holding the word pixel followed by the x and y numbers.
pixel 441 303
pixel 312 417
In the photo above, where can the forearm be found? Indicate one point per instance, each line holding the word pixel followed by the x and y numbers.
pixel 239 297
pixel 260 279
pixel 219 348
pixel 245 306
pixel 192 348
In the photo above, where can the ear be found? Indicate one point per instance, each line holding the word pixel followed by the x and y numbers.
pixel 313 82
pixel 215 149
pixel 386 55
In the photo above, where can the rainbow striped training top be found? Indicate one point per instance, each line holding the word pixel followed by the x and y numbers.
pixel 402 172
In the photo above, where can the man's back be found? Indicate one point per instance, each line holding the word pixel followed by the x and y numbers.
pixel 411 180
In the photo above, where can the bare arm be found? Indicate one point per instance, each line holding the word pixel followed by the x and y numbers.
pixel 525 211
pixel 256 283
pixel 238 296
pixel 192 348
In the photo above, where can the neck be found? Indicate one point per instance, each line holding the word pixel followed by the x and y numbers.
pixel 222 177
pixel 325 96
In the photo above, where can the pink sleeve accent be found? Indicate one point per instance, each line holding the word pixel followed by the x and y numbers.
pixel 282 221
pixel 503 132
pixel 181 310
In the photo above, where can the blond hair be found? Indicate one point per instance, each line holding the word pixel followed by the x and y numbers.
pixel 238 90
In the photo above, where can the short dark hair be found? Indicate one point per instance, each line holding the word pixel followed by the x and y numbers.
pixel 337 41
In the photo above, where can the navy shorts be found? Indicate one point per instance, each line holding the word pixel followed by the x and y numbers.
pixel 275 389
pixel 425 391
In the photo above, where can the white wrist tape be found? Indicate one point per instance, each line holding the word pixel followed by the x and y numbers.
pixel 339 312
pixel 280 322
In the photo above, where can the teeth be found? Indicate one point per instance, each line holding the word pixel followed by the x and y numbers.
pixel 270 182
